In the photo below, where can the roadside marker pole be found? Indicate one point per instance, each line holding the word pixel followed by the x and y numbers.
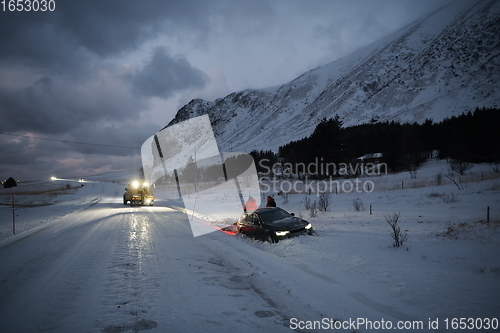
pixel 488 215
pixel 13 214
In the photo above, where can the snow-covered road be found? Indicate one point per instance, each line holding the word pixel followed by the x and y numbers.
pixel 115 268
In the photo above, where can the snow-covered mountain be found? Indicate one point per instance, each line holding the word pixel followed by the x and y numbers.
pixel 439 66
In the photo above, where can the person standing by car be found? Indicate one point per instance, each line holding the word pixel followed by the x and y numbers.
pixel 250 205
pixel 270 202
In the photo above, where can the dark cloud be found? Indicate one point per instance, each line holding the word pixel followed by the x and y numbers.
pixel 65 56
pixel 40 44
pixel 33 109
pixel 55 106
pixel 164 75
pixel 77 31
pixel 110 27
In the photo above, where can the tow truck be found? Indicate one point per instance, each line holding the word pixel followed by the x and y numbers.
pixel 138 194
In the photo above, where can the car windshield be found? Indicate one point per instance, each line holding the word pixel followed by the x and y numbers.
pixel 273 215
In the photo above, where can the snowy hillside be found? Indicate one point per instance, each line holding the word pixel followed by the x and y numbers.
pixel 439 66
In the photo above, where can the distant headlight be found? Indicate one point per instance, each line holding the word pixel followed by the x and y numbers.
pixel 309 226
pixel 282 233
pixel 146 184
pixel 135 184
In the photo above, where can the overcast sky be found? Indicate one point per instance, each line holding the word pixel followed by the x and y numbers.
pixel 114 72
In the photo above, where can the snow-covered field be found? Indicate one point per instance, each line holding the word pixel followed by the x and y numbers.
pixel 449 267
pixel 41 201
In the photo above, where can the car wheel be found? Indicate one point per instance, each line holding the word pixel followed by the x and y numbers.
pixel 310 232
pixel 124 201
pixel 270 238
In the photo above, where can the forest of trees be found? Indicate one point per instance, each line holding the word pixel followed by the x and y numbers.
pixel 470 137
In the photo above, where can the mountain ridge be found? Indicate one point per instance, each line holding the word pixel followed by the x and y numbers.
pixel 437 67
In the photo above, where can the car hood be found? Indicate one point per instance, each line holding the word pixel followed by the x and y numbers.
pixel 287 224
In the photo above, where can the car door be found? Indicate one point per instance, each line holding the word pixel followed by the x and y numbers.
pixel 257 230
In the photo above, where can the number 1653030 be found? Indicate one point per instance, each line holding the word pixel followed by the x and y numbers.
pixel 28 5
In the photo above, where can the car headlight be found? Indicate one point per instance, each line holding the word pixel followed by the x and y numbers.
pixel 308 226
pixel 282 233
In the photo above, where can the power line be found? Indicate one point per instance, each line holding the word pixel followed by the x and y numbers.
pixel 66 141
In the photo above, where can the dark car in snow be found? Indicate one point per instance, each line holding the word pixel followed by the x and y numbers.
pixel 272 224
